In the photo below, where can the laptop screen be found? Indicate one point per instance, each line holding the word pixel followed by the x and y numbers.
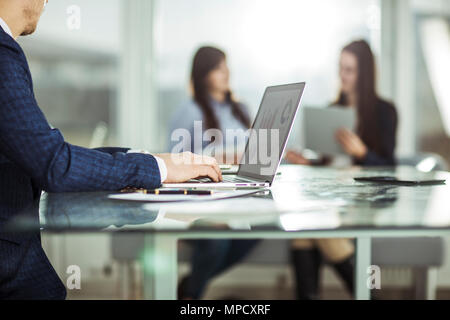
pixel 271 131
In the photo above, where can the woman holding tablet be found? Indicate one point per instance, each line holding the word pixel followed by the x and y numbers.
pixel 371 144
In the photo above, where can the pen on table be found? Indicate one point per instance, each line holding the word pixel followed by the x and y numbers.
pixel 173 192
pixel 183 192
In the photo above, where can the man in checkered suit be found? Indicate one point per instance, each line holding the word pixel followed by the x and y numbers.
pixel 35 157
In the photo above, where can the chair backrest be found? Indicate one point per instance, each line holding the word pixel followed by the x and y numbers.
pixel 425 162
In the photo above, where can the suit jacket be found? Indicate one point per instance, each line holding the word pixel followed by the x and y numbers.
pixel 35 157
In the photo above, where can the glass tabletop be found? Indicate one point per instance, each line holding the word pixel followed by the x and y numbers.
pixel 301 198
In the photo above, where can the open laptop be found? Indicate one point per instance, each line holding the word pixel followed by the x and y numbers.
pixel 271 129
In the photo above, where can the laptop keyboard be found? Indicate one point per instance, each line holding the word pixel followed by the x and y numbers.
pixel 235 179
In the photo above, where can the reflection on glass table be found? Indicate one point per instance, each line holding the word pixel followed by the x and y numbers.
pixel 304 202
pixel 301 199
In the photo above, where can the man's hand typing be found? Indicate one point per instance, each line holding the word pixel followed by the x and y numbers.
pixel 186 166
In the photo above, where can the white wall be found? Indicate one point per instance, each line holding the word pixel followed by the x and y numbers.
pixel 432 6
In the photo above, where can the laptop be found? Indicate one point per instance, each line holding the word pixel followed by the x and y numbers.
pixel 266 143
pixel 320 126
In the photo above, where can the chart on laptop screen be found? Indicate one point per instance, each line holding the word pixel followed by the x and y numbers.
pixel 271 130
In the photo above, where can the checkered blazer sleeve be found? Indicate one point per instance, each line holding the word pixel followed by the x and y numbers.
pixel 53 164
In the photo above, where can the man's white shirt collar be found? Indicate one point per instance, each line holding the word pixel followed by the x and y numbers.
pixel 5 27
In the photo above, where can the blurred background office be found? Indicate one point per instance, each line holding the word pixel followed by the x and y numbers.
pixel 112 72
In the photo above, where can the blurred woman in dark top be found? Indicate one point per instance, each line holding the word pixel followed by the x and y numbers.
pixel 372 144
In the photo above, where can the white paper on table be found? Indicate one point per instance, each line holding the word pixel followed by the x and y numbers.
pixel 181 198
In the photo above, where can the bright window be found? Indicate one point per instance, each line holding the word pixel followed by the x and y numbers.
pixel 267 41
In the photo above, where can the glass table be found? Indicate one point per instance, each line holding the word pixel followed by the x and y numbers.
pixel 304 202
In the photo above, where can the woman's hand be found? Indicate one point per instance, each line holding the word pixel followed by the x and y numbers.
pixel 352 144
pixel 297 158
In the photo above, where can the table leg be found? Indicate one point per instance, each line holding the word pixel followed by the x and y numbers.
pixel 160 267
pixel 363 262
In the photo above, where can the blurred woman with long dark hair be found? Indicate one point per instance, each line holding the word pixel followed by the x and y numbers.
pixel 372 144
pixel 213 104
pixel 214 107
pixel 374 140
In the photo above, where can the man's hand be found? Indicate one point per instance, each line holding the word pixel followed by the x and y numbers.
pixel 352 144
pixel 186 166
